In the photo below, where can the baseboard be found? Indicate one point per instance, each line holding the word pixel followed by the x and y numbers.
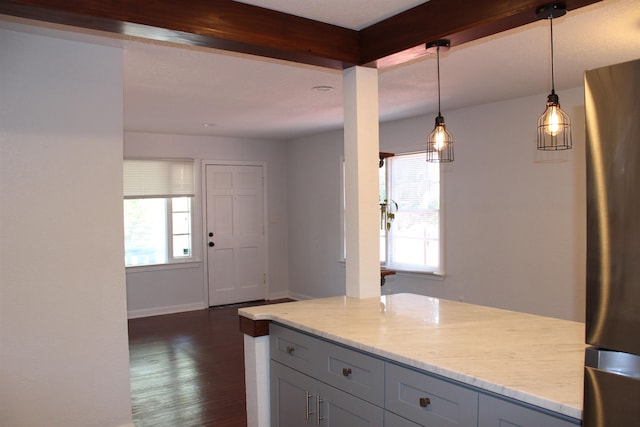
pixel 298 297
pixel 157 311
pixel 278 295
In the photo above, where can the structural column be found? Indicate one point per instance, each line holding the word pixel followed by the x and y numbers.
pixel 257 377
pixel 361 147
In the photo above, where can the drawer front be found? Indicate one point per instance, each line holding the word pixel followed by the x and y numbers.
pixel 392 420
pixel 356 373
pixel 427 400
pixel 496 412
pixel 294 349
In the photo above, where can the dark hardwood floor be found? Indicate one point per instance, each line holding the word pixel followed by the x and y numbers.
pixel 187 369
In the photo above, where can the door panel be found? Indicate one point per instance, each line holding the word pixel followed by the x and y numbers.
pixel 340 409
pixel 236 251
pixel 223 216
pixel 223 277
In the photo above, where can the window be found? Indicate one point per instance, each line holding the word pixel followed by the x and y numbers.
pixel 412 242
pixel 158 211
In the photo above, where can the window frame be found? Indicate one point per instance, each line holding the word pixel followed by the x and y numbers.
pixel 170 229
pixel 171 260
pixel 436 274
pixel 438 271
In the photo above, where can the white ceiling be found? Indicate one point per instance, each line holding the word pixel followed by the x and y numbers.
pixel 353 14
pixel 177 89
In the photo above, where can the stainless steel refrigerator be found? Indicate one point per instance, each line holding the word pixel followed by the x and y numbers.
pixel 612 362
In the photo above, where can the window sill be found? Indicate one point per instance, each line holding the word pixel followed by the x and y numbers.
pixel 419 274
pixel 159 267
pixel 408 273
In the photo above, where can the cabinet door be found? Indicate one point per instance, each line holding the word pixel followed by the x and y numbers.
pixel 292 397
pixel 339 409
pixel 495 412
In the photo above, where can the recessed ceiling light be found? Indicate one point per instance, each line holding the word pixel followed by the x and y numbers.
pixel 323 88
pixel 208 125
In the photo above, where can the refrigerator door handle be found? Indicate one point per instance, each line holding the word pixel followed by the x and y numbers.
pixel 611 389
pixel 614 362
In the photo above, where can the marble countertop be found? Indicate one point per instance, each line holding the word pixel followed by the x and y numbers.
pixel 533 359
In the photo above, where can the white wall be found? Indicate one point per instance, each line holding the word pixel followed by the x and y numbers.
pixel 165 290
pixel 314 216
pixel 514 217
pixel 64 357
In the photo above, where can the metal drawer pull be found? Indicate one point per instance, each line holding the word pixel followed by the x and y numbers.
pixel 346 372
pixel 290 349
pixel 309 396
pixel 424 402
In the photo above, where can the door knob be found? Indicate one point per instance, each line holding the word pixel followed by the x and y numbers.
pixel 211 244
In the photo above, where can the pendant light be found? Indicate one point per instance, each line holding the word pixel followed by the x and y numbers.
pixel 440 141
pixel 554 125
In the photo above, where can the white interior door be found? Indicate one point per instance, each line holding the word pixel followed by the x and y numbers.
pixel 236 257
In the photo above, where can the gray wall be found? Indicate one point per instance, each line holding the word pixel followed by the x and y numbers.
pixel 514 217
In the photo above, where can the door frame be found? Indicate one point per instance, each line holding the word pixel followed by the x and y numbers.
pixel 265 223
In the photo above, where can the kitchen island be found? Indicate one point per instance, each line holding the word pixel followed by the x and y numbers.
pixel 533 360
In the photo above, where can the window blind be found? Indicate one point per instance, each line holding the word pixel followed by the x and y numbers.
pixel 158 178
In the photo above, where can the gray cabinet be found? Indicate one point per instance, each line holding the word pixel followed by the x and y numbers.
pixel 428 400
pixel 340 409
pixel 300 400
pixel 294 349
pixel 314 382
pixel 393 420
pixel 354 372
pixel 292 397
pixel 317 382
pixel 498 412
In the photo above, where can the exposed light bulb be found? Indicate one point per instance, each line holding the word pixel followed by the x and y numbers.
pixel 552 120
pixel 440 143
pixel 554 127
pixel 439 138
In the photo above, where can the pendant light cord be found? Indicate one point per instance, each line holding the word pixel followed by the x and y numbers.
pixel 553 86
pixel 438 66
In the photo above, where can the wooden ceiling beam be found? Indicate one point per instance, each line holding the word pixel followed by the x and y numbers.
pixel 239 27
pixel 220 24
pixel 402 38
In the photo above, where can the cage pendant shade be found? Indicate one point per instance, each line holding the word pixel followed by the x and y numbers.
pixel 554 125
pixel 440 141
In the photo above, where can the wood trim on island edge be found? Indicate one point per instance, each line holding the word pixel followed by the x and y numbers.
pixel 254 328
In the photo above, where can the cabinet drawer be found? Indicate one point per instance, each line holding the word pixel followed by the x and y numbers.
pixel 496 412
pixel 427 400
pixel 356 373
pixel 392 420
pixel 294 349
